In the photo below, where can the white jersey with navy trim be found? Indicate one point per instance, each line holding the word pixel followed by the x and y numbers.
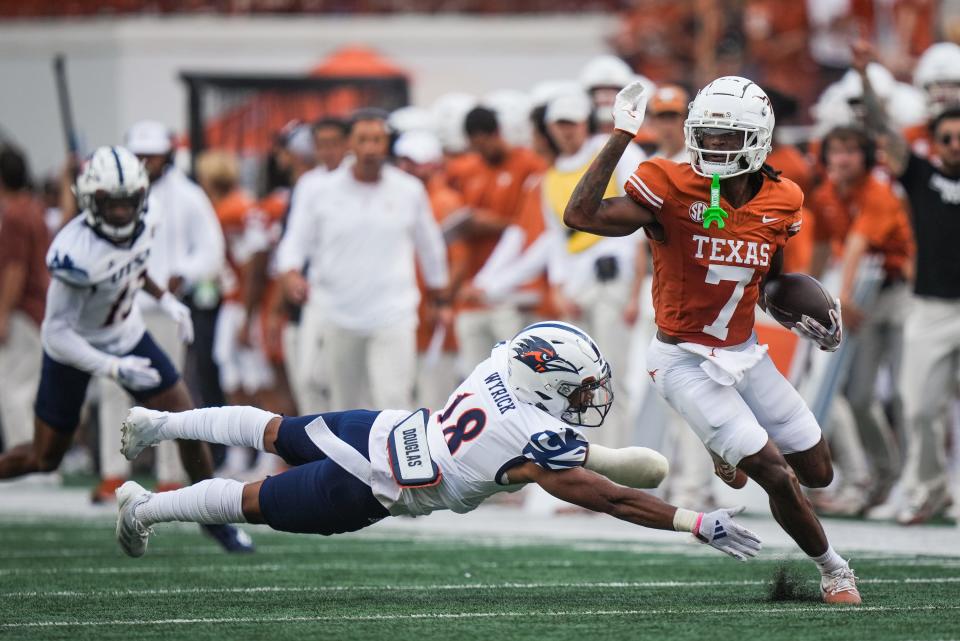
pixel 110 275
pixel 480 433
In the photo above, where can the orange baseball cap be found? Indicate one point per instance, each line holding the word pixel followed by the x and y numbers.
pixel 669 99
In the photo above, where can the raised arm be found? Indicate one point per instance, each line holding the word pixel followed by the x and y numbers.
pixel 894 145
pixel 587 209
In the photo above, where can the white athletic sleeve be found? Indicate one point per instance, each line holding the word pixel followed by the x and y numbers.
pixel 429 245
pixel 60 340
pixel 202 253
pixel 294 248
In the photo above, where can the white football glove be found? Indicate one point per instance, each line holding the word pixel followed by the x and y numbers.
pixel 828 338
pixel 134 372
pixel 718 529
pixel 629 108
pixel 180 314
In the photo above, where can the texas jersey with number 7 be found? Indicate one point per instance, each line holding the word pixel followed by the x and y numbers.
pixel 706 281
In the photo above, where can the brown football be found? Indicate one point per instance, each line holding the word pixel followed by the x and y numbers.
pixel 792 296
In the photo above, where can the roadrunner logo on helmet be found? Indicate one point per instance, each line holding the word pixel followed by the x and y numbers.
pixel 111 191
pixel 558 368
pixel 729 129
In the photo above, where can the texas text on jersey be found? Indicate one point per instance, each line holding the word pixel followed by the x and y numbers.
pixel 714 271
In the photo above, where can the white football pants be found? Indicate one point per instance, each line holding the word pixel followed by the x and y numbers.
pixel 929 383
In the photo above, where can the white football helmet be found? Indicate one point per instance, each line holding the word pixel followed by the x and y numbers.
pixel 558 368
pixel 111 192
pixel 938 75
pixel 729 104
pixel 449 112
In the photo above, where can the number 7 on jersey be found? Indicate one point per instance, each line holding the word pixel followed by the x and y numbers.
pixel 717 274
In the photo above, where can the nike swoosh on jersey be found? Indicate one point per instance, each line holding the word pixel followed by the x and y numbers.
pixel 766 220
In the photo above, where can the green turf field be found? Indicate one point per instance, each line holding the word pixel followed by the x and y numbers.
pixel 70 581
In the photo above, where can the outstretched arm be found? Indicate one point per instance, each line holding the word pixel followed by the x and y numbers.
pixel 587 209
pixel 595 492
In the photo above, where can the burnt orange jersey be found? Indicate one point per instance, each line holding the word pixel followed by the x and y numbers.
pixel 706 281
pixel 871 209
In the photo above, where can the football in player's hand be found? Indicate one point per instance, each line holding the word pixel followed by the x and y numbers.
pixel 791 296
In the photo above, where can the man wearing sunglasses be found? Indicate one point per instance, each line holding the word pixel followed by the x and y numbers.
pixel 932 328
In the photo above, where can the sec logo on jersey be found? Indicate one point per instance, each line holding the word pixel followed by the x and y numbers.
pixel 696 211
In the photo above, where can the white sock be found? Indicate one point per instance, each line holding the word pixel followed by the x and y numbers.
pixel 829 561
pixel 209 502
pixel 231 425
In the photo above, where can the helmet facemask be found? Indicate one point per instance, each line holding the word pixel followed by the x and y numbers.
pixel 116 216
pixel 724 149
pixel 588 403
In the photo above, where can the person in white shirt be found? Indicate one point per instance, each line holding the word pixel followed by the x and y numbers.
pixel 91 327
pixel 520 417
pixel 359 232
pixel 302 342
pixel 187 256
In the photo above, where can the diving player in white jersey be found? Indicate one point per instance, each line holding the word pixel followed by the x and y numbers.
pixel 516 419
pixel 92 327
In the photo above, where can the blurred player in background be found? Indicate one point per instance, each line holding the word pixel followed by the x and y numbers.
pixel 494 195
pixel 23 291
pixel 186 257
pixel 857 214
pixel 519 418
pixel 710 263
pixel 92 325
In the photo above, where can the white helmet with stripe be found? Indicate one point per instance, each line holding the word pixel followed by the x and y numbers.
pixel 111 192
pixel 734 107
pixel 558 368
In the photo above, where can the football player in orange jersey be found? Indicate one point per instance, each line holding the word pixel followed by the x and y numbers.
pixel 718 225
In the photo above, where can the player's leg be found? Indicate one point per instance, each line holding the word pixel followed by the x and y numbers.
pixel 171 395
pixel 20 362
pixel 796 454
pixel 344 352
pixel 873 427
pixel 60 396
pixel 931 343
pixel 318 497
pixel 391 361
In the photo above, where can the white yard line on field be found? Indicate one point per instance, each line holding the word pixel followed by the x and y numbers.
pixel 432 587
pixel 483 615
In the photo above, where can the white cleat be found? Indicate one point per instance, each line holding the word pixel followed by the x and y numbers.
pixel 132 535
pixel 140 430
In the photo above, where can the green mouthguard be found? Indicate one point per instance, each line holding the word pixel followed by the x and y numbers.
pixel 715 213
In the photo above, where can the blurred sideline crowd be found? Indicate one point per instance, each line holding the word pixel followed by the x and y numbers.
pixel 384 255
